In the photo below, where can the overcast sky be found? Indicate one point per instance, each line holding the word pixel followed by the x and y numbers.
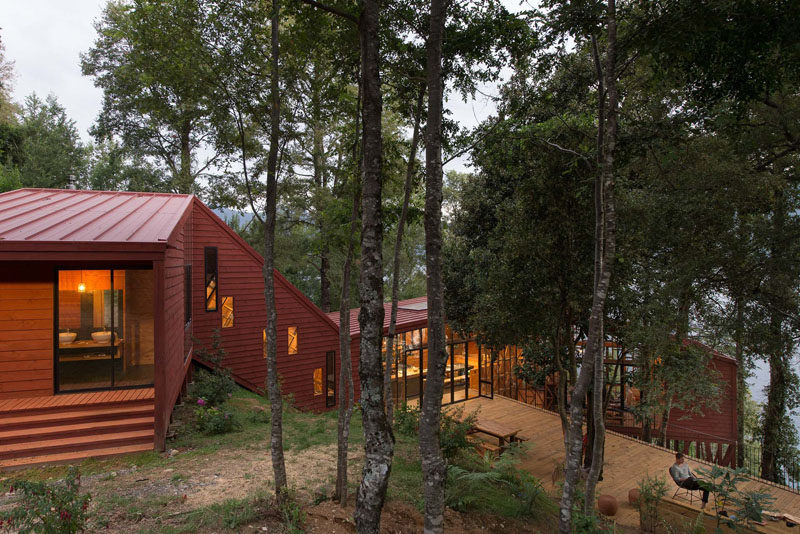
pixel 45 38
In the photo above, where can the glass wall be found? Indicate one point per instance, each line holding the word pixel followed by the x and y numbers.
pixel 105 329
pixel 409 371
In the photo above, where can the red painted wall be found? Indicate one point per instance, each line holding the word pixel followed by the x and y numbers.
pixel 720 424
pixel 26 329
pixel 240 276
pixel 172 356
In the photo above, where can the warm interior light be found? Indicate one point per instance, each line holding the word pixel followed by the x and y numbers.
pixel 81 287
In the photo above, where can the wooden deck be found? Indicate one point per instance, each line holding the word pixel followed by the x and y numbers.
pixel 70 427
pixel 626 460
pixel 9 406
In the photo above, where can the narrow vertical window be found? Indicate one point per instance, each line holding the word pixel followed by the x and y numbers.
pixel 264 343
pixel 227 312
pixel 187 294
pixel 212 278
pixel 293 341
pixel 318 381
pixel 330 379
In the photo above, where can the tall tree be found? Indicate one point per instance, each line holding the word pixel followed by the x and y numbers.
pixel 273 385
pixel 147 60
pixel 434 469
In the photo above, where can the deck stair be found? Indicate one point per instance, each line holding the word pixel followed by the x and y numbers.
pixel 68 428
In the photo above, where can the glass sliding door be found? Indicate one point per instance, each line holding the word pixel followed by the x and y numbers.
pixel 105 329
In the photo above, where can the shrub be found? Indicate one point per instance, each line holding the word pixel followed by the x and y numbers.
pixel 217 386
pixel 453 428
pixel 51 508
pixel 214 420
pixel 651 491
pixel 497 487
pixel 406 420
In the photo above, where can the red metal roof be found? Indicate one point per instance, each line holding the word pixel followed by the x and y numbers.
pixel 410 314
pixel 71 216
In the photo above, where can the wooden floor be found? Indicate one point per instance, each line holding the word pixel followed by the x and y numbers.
pixel 626 460
pixel 75 399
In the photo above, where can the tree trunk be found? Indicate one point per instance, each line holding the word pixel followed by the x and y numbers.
pixel 741 387
pixel 779 370
pixel 184 179
pixel 345 367
pixel 378 437
pixel 605 245
pixel 273 386
pixel 434 469
pixel 410 167
pixel 662 437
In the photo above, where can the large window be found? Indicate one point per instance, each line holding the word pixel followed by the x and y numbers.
pixel 105 323
pixel 212 278
pixel 227 312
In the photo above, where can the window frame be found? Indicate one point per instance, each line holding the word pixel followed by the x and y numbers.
pixel 330 379
pixel 222 312
pixel 214 277
pixel 289 346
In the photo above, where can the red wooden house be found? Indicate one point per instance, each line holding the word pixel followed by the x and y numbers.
pixel 104 298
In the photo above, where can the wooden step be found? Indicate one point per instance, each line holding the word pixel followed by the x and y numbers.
pixel 74 456
pixel 76 443
pixel 72 416
pixel 22 435
pixel 73 405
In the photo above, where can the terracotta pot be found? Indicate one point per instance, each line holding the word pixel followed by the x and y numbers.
pixel 633 496
pixel 608 505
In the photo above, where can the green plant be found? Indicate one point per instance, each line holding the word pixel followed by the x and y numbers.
pixel 735 508
pixel 48 508
pixel 217 386
pixel 292 513
pixel 651 491
pixel 496 486
pixel 453 432
pixel 215 420
pixel 406 420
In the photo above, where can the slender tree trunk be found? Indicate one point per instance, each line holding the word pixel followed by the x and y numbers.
pixel 345 368
pixel 662 436
pixel 410 167
pixel 779 371
pixel 378 436
pixel 605 245
pixel 184 180
pixel 273 386
pixel 741 372
pixel 318 162
pixel 434 468
pixel 346 389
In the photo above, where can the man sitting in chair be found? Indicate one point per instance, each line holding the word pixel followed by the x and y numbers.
pixel 684 477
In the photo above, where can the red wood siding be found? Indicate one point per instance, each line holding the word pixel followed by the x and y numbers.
pixel 171 358
pixel 711 424
pixel 26 330
pixel 240 276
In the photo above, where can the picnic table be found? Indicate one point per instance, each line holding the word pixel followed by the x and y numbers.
pixel 505 434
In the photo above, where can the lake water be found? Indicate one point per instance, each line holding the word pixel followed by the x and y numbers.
pixel 758 381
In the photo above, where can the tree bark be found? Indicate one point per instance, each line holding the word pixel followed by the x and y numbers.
pixel 346 389
pixel 378 436
pixel 184 179
pixel 434 469
pixel 740 379
pixel 273 386
pixel 410 167
pixel 605 246
pixel 345 367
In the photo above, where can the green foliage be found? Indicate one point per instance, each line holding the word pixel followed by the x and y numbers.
pixel 453 429
pixel 498 487
pixel 217 386
pixel 215 420
pixel 651 491
pixel 47 508
pixel 740 507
